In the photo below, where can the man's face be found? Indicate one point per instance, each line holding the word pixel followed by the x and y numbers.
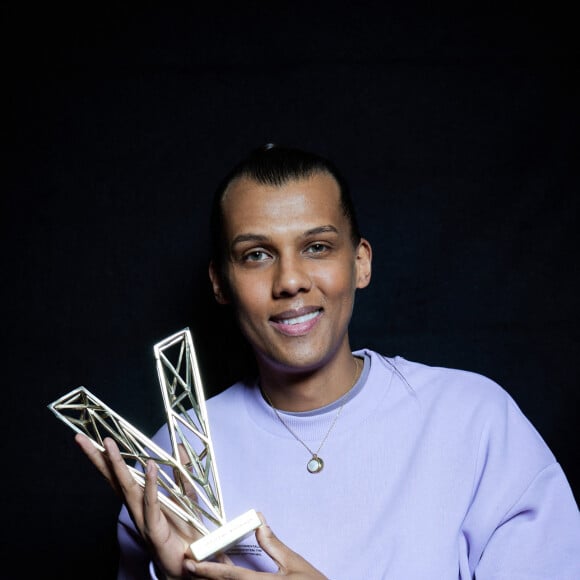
pixel 292 269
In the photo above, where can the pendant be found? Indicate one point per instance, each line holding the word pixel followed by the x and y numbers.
pixel 315 465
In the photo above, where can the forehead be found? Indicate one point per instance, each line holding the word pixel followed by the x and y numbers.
pixel 299 203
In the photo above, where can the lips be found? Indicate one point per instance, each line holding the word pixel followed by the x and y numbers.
pixel 296 322
pixel 299 319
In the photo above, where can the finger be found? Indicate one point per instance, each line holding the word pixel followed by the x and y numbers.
pixel 157 514
pixel 216 571
pixel 183 457
pixel 98 459
pixel 268 541
pixel 155 524
pixel 119 467
pixel 130 489
pixel 287 560
pixel 183 482
pixel 224 559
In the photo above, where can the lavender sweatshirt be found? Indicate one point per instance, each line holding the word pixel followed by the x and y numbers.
pixel 429 473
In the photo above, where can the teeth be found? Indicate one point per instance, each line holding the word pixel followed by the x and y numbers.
pixel 300 319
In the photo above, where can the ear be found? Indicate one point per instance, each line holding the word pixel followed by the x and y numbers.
pixel 217 284
pixel 363 264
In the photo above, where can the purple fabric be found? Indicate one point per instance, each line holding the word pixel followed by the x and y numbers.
pixel 429 473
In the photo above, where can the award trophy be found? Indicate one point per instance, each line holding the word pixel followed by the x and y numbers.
pixel 189 433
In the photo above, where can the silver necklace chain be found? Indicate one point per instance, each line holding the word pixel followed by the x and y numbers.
pixel 315 464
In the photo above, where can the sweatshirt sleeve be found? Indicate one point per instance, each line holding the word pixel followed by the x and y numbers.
pixel 523 522
pixel 539 536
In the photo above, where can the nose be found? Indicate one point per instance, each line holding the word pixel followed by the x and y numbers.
pixel 290 278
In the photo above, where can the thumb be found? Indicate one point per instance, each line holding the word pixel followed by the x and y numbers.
pixel 285 558
pixel 289 562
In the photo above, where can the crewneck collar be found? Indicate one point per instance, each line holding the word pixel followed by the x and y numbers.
pixel 343 400
pixel 359 402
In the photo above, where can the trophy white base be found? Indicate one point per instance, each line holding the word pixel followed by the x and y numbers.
pixel 225 536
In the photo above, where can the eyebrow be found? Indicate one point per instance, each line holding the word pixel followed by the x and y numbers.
pixel 249 237
pixel 321 230
pixel 240 239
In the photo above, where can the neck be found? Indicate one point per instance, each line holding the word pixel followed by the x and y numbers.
pixel 312 389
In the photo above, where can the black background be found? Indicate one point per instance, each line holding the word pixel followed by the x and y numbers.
pixel 457 129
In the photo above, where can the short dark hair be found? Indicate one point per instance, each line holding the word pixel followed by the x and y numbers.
pixel 275 165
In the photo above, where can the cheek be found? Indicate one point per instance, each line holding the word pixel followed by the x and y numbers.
pixel 337 282
pixel 248 295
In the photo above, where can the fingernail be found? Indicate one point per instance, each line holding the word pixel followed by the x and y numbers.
pixel 189 564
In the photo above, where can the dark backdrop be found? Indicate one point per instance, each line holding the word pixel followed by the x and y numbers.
pixel 457 130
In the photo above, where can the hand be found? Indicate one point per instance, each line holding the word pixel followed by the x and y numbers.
pixel 290 564
pixel 167 535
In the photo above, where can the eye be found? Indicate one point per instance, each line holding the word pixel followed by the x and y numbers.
pixel 317 248
pixel 255 256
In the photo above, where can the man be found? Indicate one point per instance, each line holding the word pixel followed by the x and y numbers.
pixel 366 466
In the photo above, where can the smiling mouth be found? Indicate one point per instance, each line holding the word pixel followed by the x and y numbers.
pixel 300 319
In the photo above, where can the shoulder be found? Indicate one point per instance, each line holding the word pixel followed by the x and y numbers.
pixel 228 396
pixel 466 404
pixel 436 384
pixel 232 403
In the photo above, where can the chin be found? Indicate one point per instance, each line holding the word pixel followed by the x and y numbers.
pixel 302 360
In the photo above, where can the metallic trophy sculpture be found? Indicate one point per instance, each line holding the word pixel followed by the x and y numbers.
pixel 187 421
